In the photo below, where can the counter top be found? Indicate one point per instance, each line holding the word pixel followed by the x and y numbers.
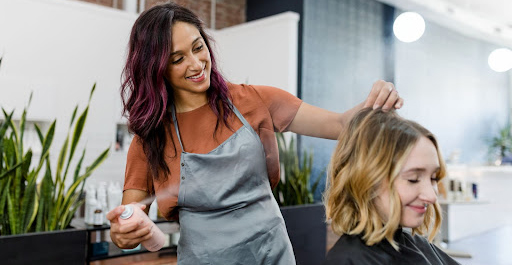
pixel 445 202
pixel 505 168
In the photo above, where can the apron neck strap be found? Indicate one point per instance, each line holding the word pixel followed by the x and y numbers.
pixel 175 121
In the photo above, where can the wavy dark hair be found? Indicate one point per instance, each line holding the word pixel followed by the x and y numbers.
pixel 147 96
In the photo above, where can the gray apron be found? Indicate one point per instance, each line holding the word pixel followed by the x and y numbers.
pixel 227 212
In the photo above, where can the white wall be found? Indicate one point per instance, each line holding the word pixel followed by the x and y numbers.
pixel 262 52
pixel 450 89
pixel 58 49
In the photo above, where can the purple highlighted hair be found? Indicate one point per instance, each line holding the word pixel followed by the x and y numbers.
pixel 146 95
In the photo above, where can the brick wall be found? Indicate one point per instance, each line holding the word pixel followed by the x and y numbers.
pixel 109 3
pixel 227 12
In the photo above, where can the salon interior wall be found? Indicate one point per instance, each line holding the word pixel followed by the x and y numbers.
pixel 59 49
pixel 444 76
pixel 262 51
pixel 343 55
pixel 451 90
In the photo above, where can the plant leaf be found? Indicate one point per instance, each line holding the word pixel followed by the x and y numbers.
pixel 11 170
pixel 79 126
pixel 46 142
pixel 92 91
pixel 46 197
pixel 28 205
pixel 4 215
pixel 39 134
pixel 73 116
pixel 79 166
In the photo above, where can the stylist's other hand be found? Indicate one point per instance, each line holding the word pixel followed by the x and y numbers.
pixel 383 94
pixel 128 235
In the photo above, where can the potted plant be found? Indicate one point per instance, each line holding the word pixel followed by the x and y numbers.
pixel 30 204
pixel 305 220
pixel 501 145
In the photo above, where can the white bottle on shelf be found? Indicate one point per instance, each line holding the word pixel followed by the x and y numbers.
pixel 90 204
pixel 114 195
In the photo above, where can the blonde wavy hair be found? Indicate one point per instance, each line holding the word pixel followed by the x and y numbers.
pixel 370 153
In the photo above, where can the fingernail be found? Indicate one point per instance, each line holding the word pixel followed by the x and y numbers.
pixel 375 106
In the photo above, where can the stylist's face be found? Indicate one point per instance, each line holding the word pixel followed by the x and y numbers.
pixel 190 64
pixel 416 185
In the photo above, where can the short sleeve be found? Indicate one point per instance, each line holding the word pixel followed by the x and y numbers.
pixel 137 174
pixel 281 104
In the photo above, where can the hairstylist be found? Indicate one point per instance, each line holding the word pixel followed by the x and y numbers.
pixel 206 148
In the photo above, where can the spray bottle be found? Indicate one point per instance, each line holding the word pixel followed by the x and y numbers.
pixel 133 214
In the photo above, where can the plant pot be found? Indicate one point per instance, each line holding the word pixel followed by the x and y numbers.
pixel 66 247
pixel 307 231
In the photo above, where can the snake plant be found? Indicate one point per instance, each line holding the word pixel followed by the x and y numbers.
pixel 294 188
pixel 36 198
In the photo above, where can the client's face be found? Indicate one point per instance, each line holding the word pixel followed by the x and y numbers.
pixel 416 185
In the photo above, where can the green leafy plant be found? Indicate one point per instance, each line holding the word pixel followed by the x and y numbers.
pixel 27 205
pixel 502 143
pixel 295 187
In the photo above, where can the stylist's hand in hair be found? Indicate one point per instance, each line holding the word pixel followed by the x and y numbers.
pixel 383 95
pixel 129 235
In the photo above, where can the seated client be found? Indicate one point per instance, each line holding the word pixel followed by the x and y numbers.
pixel 382 182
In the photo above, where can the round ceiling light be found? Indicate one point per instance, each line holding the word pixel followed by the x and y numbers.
pixel 409 26
pixel 500 60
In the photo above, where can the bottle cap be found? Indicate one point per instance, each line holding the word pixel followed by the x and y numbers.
pixel 127 213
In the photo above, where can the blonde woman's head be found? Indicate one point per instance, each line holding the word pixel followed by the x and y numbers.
pixel 383 175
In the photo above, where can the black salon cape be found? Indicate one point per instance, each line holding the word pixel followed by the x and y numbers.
pixel 351 250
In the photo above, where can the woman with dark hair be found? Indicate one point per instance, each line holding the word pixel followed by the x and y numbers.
pixel 206 148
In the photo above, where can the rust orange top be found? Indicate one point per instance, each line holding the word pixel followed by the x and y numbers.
pixel 267 109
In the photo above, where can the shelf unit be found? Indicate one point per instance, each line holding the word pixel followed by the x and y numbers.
pixel 113 250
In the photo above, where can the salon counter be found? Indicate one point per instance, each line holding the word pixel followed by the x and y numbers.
pixel 491 209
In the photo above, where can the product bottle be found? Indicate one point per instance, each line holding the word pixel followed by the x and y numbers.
pixel 98 216
pixel 475 190
pixel 133 214
pixel 90 204
pixel 451 191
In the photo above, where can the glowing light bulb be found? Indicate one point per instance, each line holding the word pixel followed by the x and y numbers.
pixel 500 60
pixel 409 26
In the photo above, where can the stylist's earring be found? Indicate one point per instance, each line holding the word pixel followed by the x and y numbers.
pixel 426 204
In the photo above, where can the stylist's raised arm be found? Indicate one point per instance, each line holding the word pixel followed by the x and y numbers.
pixel 318 122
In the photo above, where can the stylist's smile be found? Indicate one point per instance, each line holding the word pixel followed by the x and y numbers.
pixel 199 77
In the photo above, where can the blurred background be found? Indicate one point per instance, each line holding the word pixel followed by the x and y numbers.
pixel 449 60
